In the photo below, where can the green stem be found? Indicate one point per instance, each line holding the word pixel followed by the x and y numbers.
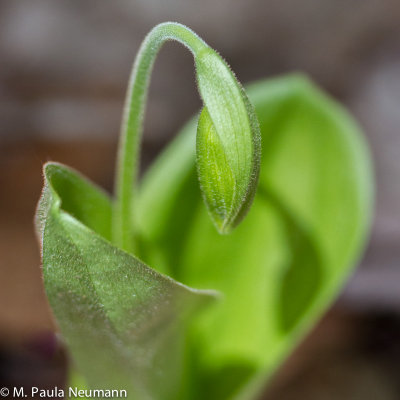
pixel 132 124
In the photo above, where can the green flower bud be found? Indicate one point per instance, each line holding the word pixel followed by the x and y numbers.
pixel 228 143
pixel 228 138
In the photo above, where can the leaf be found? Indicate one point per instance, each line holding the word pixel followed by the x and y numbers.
pixel 124 323
pixel 284 265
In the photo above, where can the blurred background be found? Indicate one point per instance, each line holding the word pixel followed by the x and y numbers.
pixel 64 67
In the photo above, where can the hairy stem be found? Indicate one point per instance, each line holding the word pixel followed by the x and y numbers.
pixel 132 123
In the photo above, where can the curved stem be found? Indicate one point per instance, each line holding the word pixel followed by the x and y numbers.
pixel 132 123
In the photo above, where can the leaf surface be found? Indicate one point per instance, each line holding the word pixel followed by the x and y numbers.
pixel 283 266
pixel 132 327
pixel 124 323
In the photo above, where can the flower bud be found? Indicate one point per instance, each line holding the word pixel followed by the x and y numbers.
pixel 228 143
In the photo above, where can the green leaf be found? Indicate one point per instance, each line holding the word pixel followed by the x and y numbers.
pixel 228 143
pixel 284 265
pixel 124 323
